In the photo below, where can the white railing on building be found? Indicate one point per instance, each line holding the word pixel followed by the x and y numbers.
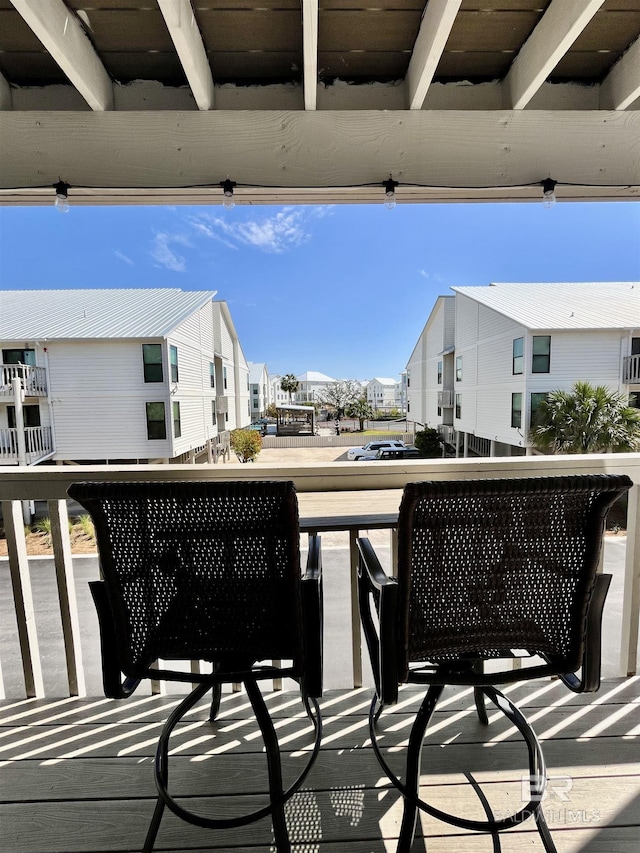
pixel 50 483
pixel 38 444
pixel 448 434
pixel 38 441
pixel 631 370
pixel 445 399
pixel 33 379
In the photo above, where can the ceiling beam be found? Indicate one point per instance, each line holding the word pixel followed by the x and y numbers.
pixel 183 29
pixel 559 27
pixel 61 33
pixel 310 52
pixel 436 24
pixel 621 86
pixel 5 94
pixel 446 155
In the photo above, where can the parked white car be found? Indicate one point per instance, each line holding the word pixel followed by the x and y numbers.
pixel 369 451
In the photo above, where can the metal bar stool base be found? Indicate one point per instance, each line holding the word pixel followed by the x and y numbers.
pixel 278 796
pixel 409 788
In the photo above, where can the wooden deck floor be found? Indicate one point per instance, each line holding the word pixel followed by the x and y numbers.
pixel 76 775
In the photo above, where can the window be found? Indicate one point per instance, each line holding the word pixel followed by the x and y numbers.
pixel 173 361
pixel 152 362
pixel 156 426
pixel 516 410
pixel 226 417
pixel 224 378
pixel 459 368
pixel 518 356
pixel 213 412
pixel 177 429
pixel 19 356
pixel 458 405
pixel 212 374
pixel 30 415
pixel 541 354
pixel 249 408
pixel 536 399
pixel 255 404
pixel 439 373
pixel 255 390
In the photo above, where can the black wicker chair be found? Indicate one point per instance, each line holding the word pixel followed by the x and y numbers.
pixel 486 570
pixel 208 571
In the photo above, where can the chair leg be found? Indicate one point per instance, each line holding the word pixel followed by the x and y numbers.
pixel 478 694
pixel 154 826
pixel 481 710
pixel 412 779
pixel 216 696
pixel 272 748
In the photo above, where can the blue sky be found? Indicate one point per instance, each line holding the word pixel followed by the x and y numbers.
pixel 345 289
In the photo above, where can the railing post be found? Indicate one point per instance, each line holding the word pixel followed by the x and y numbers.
pixel 631 596
pixel 23 598
pixel 356 644
pixel 67 596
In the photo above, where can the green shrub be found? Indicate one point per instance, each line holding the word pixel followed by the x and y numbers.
pixel 429 443
pixel 246 444
pixel 86 524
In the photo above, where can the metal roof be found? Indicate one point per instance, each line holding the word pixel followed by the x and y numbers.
pixel 256 369
pixel 314 376
pixel 80 314
pixel 563 305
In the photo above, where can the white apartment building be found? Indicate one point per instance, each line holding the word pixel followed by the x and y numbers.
pixel 276 395
pixel 311 383
pixel 106 375
pixel 383 393
pixel 487 356
pixel 259 387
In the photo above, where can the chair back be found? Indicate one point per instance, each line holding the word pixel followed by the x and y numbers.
pixel 201 570
pixel 488 568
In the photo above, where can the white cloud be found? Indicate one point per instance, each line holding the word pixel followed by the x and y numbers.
pixel 122 256
pixel 276 234
pixel 424 273
pixel 164 255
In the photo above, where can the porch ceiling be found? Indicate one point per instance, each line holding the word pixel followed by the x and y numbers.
pixel 318 100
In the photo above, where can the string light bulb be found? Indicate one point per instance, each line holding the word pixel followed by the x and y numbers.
pixel 390 193
pixel 548 192
pixel 62 196
pixel 227 193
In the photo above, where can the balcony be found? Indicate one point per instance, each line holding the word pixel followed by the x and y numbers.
pixel 74 763
pixel 445 399
pixel 77 774
pixel 38 445
pixel 33 380
pixel 631 370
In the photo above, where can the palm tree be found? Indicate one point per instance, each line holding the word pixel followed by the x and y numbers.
pixel 586 419
pixel 361 410
pixel 289 384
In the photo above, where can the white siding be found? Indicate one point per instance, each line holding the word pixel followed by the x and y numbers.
pixel 98 396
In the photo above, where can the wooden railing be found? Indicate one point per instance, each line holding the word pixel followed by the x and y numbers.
pixel 631 370
pixel 38 444
pixel 33 379
pixel 50 483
